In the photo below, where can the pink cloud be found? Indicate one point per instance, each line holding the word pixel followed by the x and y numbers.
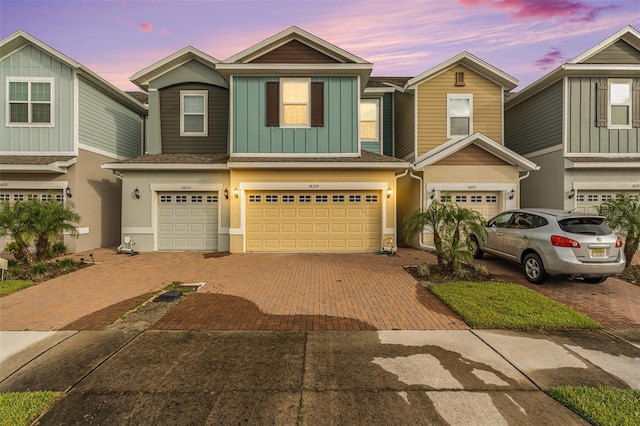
pixel 145 27
pixel 165 31
pixel 574 11
pixel 551 58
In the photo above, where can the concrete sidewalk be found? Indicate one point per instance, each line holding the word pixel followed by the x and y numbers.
pixel 288 378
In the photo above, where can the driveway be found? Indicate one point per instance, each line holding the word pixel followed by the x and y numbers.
pixel 243 292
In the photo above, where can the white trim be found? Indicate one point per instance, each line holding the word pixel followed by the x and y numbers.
pixel 101 152
pixel 282 82
pixel 451 96
pixel 321 69
pixel 623 186
pixel 378 122
pixel 231 116
pixel 76 112
pixel 606 43
pixel 602 155
pixel 601 165
pixel 358 115
pixel 166 166
pixel 502 188
pixel 415 124
pixel 565 115
pixel 52 103
pixel 186 187
pixel 296 154
pixel 205 96
pixel 83 230
pixel 137 230
pixel 544 151
pixel 316 165
pixel 629 84
pixel 374 90
pixel 26 184
pixel 40 153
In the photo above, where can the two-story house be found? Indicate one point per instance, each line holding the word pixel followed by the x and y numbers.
pixel 277 148
pixel 449 124
pixel 59 122
pixel 581 123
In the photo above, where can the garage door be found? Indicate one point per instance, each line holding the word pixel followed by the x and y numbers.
pixel 313 222
pixel 188 221
pixel 588 201
pixel 485 203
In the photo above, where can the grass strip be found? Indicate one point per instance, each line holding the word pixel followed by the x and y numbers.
pixel 601 406
pixel 11 286
pixel 498 305
pixel 22 408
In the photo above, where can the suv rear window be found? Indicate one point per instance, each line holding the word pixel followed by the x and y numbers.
pixel 585 226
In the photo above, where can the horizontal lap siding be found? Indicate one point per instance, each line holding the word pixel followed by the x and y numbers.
pixel 536 123
pixel 471 155
pixel 619 52
pixel 107 125
pixel 432 107
pixel 252 135
pixel 584 136
pixel 217 120
pixel 32 62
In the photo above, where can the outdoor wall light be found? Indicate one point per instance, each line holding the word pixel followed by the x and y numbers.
pixel 235 192
pixel 68 192
pixel 226 193
pixel 136 193
pixel 389 192
pixel 572 193
pixel 512 194
pixel 433 193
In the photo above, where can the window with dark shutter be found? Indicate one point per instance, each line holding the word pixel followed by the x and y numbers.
pixel 317 104
pixel 635 105
pixel 273 103
pixel 602 103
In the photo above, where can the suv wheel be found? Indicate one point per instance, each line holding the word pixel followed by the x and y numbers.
pixel 534 269
pixel 475 248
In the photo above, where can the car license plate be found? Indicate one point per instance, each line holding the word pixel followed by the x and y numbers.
pixel 598 252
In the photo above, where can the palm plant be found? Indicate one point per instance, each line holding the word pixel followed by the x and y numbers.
pixel 623 215
pixel 16 221
pixel 433 218
pixel 51 218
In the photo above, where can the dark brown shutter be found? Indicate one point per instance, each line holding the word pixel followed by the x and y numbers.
pixel 317 104
pixel 635 105
pixel 602 103
pixel 273 103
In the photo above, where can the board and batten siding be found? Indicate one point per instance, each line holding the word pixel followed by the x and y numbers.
pixel 535 123
pixel 338 135
pixel 107 125
pixel 404 122
pixel 432 107
pixel 583 135
pixel 217 121
pixel 33 62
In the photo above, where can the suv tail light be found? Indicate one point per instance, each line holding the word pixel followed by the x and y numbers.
pixel 619 242
pixel 559 241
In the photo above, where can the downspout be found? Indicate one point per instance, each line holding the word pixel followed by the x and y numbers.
pixel 421 235
pixel 395 204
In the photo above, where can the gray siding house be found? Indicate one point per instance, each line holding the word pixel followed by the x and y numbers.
pixel 581 124
pixel 59 122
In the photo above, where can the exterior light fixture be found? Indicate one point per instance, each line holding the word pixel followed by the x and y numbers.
pixel 68 192
pixel 389 192
pixel 433 193
pixel 136 193
pixel 512 194
pixel 226 193
pixel 235 192
pixel 572 193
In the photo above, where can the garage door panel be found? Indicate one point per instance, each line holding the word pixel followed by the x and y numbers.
pixel 187 221
pixel 307 221
pixel 485 203
pixel 588 201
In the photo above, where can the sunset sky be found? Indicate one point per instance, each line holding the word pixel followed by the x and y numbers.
pixel 524 38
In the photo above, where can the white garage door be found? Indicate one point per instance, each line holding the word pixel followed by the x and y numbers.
pixel 340 221
pixel 188 221
pixel 588 201
pixel 485 203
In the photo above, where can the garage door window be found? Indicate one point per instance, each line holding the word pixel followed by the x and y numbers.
pixel 355 198
pixel 338 198
pixel 322 199
pixel 181 198
pixel 254 198
pixel 288 199
pixel 271 198
pixel 304 198
pixel 371 199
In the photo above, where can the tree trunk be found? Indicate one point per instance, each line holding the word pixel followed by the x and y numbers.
pixel 25 253
pixel 437 242
pixel 42 246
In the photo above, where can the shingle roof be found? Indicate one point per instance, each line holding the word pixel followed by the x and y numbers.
pixel 177 159
pixel 33 160
pixel 380 81
pixel 139 96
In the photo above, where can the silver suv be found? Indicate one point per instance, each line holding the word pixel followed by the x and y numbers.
pixel 554 242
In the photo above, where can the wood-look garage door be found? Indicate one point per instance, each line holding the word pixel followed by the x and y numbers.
pixel 188 221
pixel 340 221
pixel 485 203
pixel 588 201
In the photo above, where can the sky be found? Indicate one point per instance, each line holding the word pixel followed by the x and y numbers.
pixel 524 38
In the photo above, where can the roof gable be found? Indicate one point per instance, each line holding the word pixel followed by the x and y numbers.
pixel 628 34
pixel 619 52
pixel 294 51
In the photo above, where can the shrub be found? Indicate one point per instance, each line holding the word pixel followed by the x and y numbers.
pixel 38 268
pixel 67 263
pixel 623 215
pixel 58 249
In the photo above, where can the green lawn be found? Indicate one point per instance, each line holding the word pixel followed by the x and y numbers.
pixel 22 408
pixel 601 406
pixel 508 306
pixel 11 286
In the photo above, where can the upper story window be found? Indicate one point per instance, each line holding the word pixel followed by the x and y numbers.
pixel 193 113
pixel 369 112
pixel 295 103
pixel 619 104
pixel 29 101
pixel 459 115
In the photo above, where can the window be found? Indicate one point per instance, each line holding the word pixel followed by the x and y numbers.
pixel 254 198
pixel 193 113
pixel 355 198
pixel 304 198
pixel 196 199
pixel 271 198
pixel 295 103
pixel 620 104
pixel 337 198
pixel 29 102
pixel 371 199
pixel 181 198
pixel 288 199
pixel 322 199
pixel 212 198
pixel 459 120
pixel 476 198
pixel 369 119
pixel 461 198
pixel 165 198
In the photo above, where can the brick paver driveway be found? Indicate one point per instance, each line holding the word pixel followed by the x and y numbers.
pixel 244 292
